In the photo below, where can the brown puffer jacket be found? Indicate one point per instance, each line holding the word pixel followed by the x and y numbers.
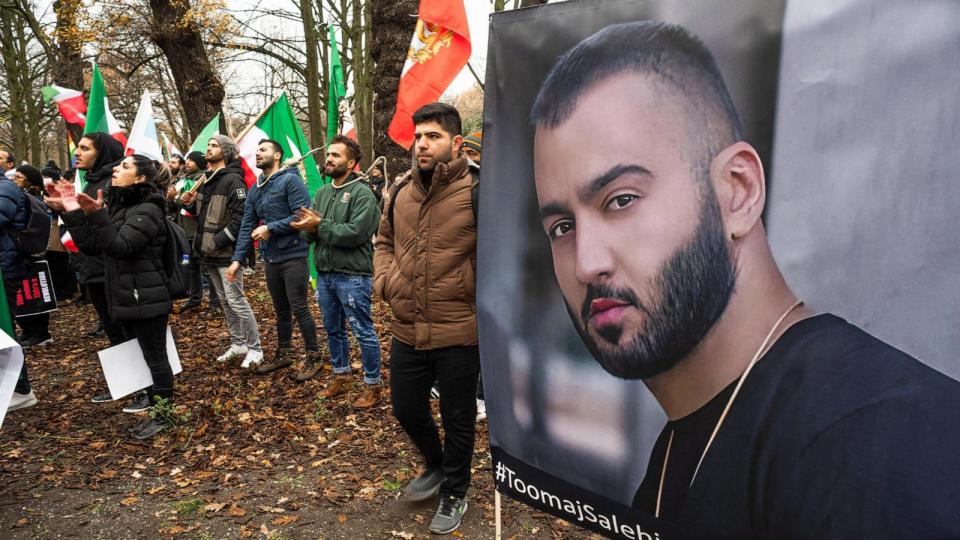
pixel 425 261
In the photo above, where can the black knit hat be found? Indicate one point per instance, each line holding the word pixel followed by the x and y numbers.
pixel 51 171
pixel 33 175
pixel 197 157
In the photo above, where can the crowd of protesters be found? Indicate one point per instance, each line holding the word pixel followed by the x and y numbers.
pixel 412 242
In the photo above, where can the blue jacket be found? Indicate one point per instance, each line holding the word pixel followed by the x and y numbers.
pixel 274 201
pixel 13 214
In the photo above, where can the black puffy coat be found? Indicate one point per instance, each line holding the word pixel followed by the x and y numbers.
pixel 98 178
pixel 130 234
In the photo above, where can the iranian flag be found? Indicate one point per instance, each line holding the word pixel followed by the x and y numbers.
pixel 171 148
pixel 212 128
pixel 70 102
pixel 438 51
pixel 99 117
pixel 143 135
pixel 277 122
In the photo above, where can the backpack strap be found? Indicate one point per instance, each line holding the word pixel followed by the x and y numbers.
pixel 394 191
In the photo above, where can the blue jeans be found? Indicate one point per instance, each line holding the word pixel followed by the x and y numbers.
pixel 342 298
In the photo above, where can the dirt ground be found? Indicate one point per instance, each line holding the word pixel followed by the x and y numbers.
pixel 251 457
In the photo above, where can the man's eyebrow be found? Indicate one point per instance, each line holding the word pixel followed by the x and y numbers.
pixel 587 192
pixel 552 209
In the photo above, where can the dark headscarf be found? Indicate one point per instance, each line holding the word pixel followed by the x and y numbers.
pixel 109 153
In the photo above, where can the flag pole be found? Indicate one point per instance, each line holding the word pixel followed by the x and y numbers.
pixel 258 117
pixel 203 178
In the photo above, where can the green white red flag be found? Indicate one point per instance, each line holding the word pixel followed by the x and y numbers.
pixel 72 106
pixel 212 128
pixel 277 122
pixel 438 51
pixel 99 117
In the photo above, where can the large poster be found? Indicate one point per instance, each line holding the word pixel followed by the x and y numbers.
pixel 649 373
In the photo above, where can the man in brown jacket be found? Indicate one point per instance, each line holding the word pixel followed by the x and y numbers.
pixel 425 267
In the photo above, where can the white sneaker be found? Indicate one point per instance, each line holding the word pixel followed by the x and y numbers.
pixel 481 410
pixel 235 351
pixel 252 359
pixel 22 401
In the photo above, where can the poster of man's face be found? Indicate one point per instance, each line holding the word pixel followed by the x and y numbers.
pixel 604 259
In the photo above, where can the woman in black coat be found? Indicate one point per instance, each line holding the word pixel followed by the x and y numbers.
pixel 130 233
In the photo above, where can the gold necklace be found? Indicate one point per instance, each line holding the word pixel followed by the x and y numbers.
pixel 726 409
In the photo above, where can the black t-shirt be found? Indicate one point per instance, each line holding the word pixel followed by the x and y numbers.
pixel 834 434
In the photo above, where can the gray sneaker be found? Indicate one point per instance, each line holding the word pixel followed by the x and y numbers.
pixel 424 486
pixel 448 516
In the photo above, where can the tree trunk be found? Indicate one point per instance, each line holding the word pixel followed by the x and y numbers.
pixel 200 90
pixel 360 58
pixel 68 67
pixel 314 105
pixel 395 21
pixel 11 47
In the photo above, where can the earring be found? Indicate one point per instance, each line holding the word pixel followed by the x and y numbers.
pixel 733 236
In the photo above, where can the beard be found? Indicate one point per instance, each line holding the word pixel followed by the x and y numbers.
pixel 689 294
pixel 266 163
pixel 334 171
pixel 426 173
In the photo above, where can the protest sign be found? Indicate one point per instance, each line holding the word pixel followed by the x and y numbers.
pixel 36 294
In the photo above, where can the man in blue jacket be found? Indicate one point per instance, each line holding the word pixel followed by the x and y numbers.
pixel 273 200
pixel 13 216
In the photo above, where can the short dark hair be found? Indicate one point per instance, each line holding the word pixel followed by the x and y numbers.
pixel 10 157
pixel 446 115
pixel 353 149
pixel 276 146
pixel 177 157
pixel 667 52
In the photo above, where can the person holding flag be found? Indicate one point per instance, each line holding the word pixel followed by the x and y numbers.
pixel 193 167
pixel 219 204
pixel 273 199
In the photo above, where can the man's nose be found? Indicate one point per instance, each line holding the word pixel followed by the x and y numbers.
pixel 594 259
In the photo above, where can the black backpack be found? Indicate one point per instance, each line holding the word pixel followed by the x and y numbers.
pixel 176 261
pixel 32 240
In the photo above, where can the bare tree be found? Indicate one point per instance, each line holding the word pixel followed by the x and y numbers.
pixel 201 92
pixel 395 21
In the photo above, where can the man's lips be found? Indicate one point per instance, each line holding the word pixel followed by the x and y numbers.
pixel 601 305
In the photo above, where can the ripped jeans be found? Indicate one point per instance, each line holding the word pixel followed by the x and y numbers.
pixel 346 298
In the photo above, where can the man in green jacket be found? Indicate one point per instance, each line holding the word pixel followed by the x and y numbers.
pixel 341 223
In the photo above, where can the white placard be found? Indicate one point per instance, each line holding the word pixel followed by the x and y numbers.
pixel 11 361
pixel 126 370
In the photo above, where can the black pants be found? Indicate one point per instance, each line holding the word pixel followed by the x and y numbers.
pixel 455 369
pixel 98 297
pixel 64 280
pixel 23 381
pixel 35 325
pixel 151 334
pixel 196 280
pixel 287 282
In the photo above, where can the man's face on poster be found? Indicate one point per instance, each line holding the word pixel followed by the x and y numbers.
pixel 635 229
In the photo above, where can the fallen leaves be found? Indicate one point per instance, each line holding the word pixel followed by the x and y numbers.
pixel 236 511
pixel 214 507
pixel 284 520
pixel 402 534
